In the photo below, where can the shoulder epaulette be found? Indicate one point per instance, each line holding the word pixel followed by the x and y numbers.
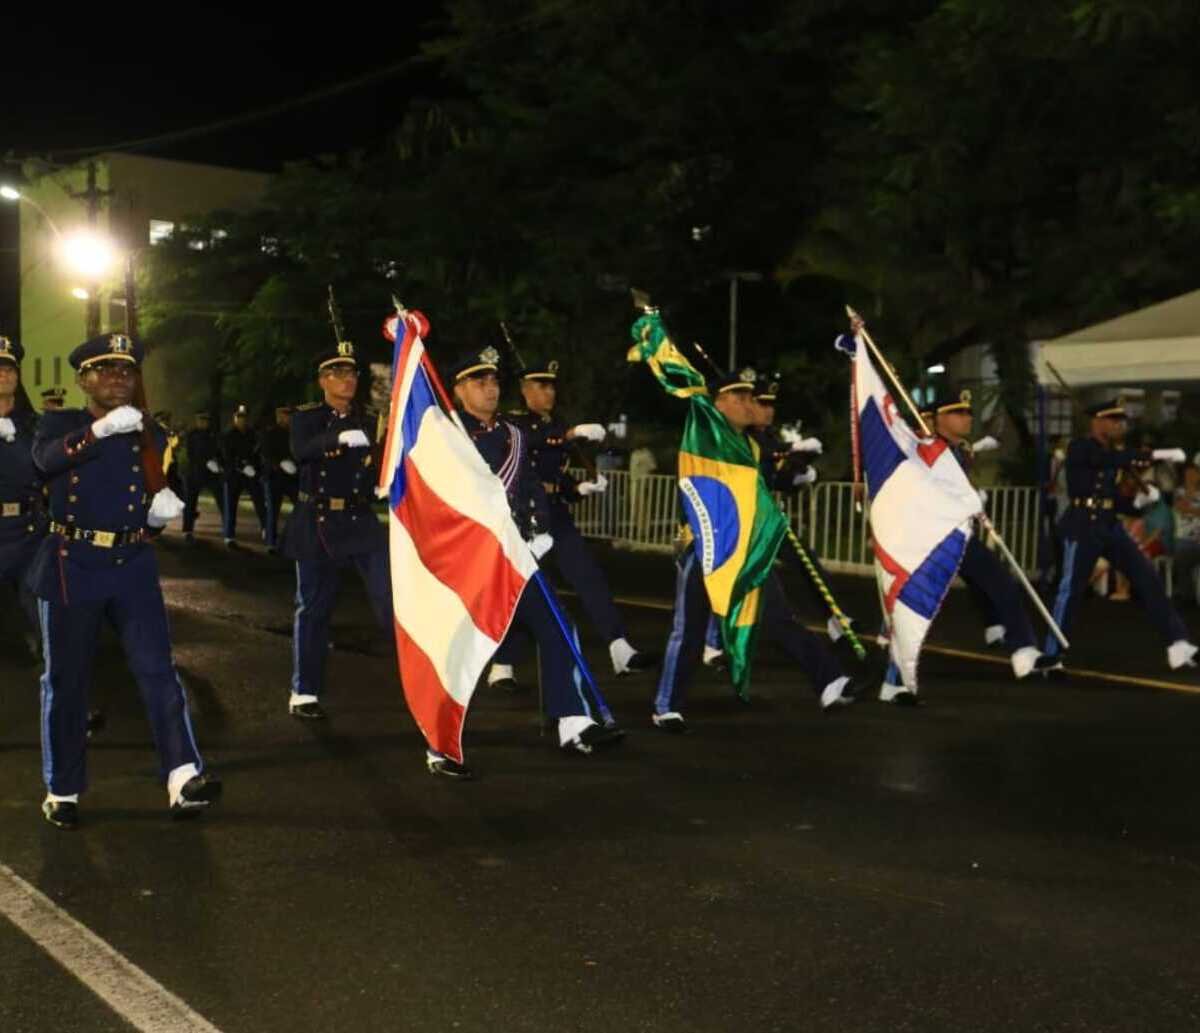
pixel 308 406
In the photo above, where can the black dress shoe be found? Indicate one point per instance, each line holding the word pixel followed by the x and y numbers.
pixel 198 793
pixel 595 737
pixel 717 662
pixel 308 711
pixel 447 768
pixel 1046 664
pixel 508 685
pixel 62 814
pixel 639 662
pixel 905 699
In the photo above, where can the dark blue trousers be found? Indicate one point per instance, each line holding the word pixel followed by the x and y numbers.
pixel 563 690
pixel 69 638
pixel 276 487
pixel 233 487
pixel 15 558
pixel 997 594
pixel 316 591
pixel 1084 541
pixel 685 644
pixel 193 485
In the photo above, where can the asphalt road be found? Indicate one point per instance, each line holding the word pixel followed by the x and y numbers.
pixel 1007 857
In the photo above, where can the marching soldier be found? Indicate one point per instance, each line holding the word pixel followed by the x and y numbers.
pixel 1090 529
pixel 547 438
pixel 203 471
pixel 53 399
pixel 22 519
pixel 951 418
pixel 240 463
pixel 333 525
pixel 278 473
pixel 733 400
pixel 476 389
pixel 96 563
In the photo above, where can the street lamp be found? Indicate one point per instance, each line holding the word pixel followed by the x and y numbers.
pixel 736 277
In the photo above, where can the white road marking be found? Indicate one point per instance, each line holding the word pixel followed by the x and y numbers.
pixel 141 1001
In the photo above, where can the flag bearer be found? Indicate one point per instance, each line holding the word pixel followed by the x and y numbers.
pixel 333 525
pixel 97 564
pixel 547 438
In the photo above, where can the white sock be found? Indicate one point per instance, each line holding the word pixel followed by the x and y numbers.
pixel 498 672
pixel 834 629
pixel 711 653
pixel 1181 654
pixel 993 634
pixel 620 651
pixel 888 692
pixel 1024 659
pixel 178 778
pixel 670 715
pixel 67 798
pixel 296 698
pixel 569 728
pixel 833 691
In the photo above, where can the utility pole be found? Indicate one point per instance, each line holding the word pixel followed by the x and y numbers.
pixel 92 197
pixel 736 277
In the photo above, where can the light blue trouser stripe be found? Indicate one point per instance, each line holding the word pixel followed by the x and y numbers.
pixel 187 719
pixel 47 692
pixel 577 675
pixel 296 632
pixel 666 683
pixel 1063 598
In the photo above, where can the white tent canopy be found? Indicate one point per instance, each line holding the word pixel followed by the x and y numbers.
pixel 1158 343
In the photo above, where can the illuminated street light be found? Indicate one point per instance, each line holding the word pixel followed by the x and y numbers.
pixel 80 293
pixel 937 368
pixel 88 254
pixel 9 194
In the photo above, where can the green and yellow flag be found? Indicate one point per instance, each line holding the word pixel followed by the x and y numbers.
pixel 736 526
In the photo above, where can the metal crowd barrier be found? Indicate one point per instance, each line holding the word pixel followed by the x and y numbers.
pixel 642 512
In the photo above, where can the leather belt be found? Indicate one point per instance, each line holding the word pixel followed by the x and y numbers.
pixel 1093 503
pixel 332 503
pixel 100 539
pixel 14 509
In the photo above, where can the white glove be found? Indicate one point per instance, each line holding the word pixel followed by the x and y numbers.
pixel 540 545
pixel 593 487
pixel 122 420
pixel 164 507
pixel 213 466
pixel 353 439
pixel 8 429
pixel 288 467
pixel 248 470
pixel 591 431
pixel 808 445
pixel 1171 455
pixel 808 477
pixel 1146 497
pixel 988 444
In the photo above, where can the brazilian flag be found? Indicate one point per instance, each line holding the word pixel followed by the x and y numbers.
pixel 736 526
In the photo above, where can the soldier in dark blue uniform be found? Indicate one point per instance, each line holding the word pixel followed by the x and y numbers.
pixel 279 471
pixel 547 439
pixel 1090 529
pixel 733 399
pixel 995 590
pixel 22 516
pixel 502 444
pixel 97 563
pixel 333 525
pixel 53 399
pixel 203 455
pixel 240 462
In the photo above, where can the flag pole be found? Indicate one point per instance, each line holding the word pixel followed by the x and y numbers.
pixel 1036 599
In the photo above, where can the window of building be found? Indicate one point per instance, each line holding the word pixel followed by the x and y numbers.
pixel 37 372
pixel 160 230
pixel 57 370
pixel 1060 413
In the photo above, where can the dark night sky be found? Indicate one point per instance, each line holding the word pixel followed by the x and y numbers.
pixel 69 86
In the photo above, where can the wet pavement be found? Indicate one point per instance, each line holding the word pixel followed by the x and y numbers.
pixel 1007 857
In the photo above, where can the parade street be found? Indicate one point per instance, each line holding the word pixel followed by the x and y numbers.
pixel 1007 857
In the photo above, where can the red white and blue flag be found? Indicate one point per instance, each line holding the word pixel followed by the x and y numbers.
pixel 458 563
pixel 921 508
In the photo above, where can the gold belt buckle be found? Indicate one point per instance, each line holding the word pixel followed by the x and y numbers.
pixel 10 509
pixel 337 504
pixel 104 539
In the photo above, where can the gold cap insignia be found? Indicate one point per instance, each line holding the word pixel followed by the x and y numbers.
pixel 345 349
pixel 119 344
pixel 5 346
pixel 747 376
pixel 965 395
pixel 552 366
pixel 489 355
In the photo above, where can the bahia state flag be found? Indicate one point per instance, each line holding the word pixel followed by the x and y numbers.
pixel 458 563
pixel 736 526
pixel 921 508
